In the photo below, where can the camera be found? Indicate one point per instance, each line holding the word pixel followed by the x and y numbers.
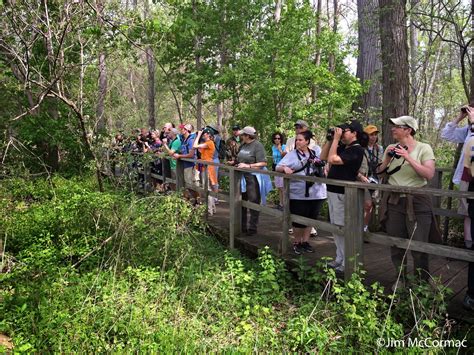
pixel 318 166
pixel 393 154
pixel 330 134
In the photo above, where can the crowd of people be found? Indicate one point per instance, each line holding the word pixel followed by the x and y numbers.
pixel 351 153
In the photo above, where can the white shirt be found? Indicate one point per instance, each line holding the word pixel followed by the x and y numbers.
pixel 452 133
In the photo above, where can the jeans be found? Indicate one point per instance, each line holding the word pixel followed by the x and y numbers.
pixel 252 194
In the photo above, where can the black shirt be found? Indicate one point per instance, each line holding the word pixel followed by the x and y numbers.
pixel 351 156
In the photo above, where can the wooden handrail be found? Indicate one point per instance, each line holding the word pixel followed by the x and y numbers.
pixel 353 228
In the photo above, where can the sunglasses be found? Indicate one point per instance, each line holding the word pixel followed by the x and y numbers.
pixel 298 126
pixel 400 126
pixel 276 138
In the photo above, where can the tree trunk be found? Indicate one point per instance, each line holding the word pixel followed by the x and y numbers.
pixel 413 57
pixel 369 65
pixel 197 59
pixel 395 81
pixel 317 56
pixel 151 87
pixel 100 117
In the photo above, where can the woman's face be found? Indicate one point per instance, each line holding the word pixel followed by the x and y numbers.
pixel 301 142
pixel 373 138
pixel 277 139
pixel 399 132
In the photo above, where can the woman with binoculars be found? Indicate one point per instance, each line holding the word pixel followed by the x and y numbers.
pixel 408 163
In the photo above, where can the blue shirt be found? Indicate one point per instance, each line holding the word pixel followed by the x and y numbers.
pixel 276 153
pixel 186 147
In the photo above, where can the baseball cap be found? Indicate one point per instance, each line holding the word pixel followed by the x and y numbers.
pixel 405 121
pixel 248 130
pixel 235 127
pixel 302 123
pixel 371 129
pixel 181 126
pixel 353 125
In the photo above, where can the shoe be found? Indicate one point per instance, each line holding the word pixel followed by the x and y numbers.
pixel 468 303
pixel 314 233
pixel 339 268
pixel 398 286
pixel 306 247
pixel 251 232
pixel 297 249
pixel 290 231
pixel 334 264
pixel 279 207
pixel 366 228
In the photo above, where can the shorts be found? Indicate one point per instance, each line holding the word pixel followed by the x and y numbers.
pixel 463 208
pixel 305 208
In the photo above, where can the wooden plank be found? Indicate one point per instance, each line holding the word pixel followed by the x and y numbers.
pixel 353 229
pixel 447 213
pixel 285 236
pixel 325 226
pixel 235 206
pixel 429 248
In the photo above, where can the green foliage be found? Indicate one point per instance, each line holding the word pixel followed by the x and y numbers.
pixel 91 272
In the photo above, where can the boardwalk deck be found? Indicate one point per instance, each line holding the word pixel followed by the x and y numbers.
pixel 376 260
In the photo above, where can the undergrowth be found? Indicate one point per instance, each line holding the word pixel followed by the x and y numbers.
pixel 86 271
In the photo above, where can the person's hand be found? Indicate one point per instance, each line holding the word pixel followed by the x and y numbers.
pixel 470 114
pixel 287 170
pixel 338 133
pixel 402 152
pixel 243 165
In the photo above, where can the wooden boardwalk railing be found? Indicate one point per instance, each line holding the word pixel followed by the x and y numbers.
pixel 354 236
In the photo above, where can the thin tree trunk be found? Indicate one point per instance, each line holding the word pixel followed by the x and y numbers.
pixel 197 59
pixel 317 57
pixel 151 87
pixel 100 109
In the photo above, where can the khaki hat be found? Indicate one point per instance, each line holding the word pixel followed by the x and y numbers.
pixel 302 123
pixel 405 121
pixel 248 130
pixel 371 129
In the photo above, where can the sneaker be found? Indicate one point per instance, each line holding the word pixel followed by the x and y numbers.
pixel 366 228
pixel 468 303
pixel 314 233
pixel 339 268
pixel 297 248
pixel 306 247
pixel 334 264
pixel 279 207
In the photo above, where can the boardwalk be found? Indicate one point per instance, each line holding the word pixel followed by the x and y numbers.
pixel 377 260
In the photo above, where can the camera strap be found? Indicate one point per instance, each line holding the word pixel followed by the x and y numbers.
pixel 306 166
pixel 394 170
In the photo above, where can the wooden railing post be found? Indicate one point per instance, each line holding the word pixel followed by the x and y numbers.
pixel 235 206
pixel 179 174
pixel 205 180
pixel 353 229
pixel 285 237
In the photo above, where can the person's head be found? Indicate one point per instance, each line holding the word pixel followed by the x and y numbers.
pixel 278 138
pixel 303 140
pixel 186 129
pixel 373 133
pixel 167 127
pixel 403 127
pixel 144 132
pixel 173 133
pixel 351 131
pixel 119 137
pixel 248 134
pixel 301 126
pixel 155 135
pixel 207 134
pixel 235 130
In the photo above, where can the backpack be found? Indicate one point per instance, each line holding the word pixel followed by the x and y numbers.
pixel 221 151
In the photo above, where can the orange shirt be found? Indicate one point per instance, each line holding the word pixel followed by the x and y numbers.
pixel 208 152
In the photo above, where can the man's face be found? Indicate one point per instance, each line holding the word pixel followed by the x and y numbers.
pixel 348 136
pixel 235 132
